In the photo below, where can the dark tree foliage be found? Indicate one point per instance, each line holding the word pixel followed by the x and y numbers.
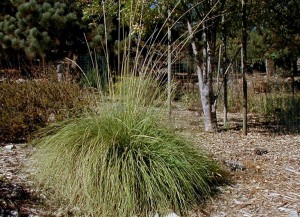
pixel 7 8
pixel 275 28
pixel 44 29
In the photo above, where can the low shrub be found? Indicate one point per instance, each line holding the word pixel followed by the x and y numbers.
pixel 123 161
pixel 26 106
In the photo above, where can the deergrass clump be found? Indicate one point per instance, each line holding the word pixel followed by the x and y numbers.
pixel 123 161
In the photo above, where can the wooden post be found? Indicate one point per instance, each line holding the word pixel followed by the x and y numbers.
pixel 169 67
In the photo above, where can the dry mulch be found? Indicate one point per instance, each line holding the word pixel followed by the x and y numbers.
pixel 17 197
pixel 264 166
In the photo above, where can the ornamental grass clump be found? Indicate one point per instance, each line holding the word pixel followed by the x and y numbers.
pixel 123 161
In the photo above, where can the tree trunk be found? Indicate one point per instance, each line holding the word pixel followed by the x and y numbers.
pixel 225 77
pixel 244 66
pixel 210 109
pixel 294 72
pixel 204 73
pixel 270 67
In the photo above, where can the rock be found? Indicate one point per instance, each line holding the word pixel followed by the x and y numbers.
pixel 260 151
pixel 10 147
pixel 235 165
pixel 14 213
pixel 169 215
pixel 291 212
pixel 294 213
pixel 20 80
pixel 172 215
pixel 51 118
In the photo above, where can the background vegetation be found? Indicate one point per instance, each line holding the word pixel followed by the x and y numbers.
pixel 27 106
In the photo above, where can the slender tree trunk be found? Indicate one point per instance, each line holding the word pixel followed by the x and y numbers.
pixel 225 77
pixel 210 117
pixel 294 72
pixel 205 81
pixel 244 65
pixel 270 67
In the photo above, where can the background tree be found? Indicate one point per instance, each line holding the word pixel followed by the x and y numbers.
pixel 123 26
pixel 6 8
pixel 43 29
pixel 206 19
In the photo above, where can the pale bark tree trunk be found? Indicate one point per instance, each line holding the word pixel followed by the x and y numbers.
pixel 204 72
pixel 207 14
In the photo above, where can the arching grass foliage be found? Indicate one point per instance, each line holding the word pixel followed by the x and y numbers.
pixel 123 161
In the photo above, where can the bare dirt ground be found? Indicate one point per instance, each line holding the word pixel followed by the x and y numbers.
pixel 265 168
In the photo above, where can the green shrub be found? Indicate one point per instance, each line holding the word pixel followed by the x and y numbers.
pixel 27 106
pixel 123 161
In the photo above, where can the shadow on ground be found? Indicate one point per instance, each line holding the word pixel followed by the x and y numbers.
pixel 14 198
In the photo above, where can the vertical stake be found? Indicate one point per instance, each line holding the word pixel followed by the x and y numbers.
pixel 244 65
pixel 169 66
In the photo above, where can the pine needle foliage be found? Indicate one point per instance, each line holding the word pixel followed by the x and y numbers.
pixel 123 161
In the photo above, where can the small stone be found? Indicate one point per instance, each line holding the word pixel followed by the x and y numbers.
pixel 260 151
pixel 291 212
pixel 294 213
pixel 169 215
pixel 10 147
pixel 235 165
pixel 14 214
pixel 172 215
pixel 51 118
